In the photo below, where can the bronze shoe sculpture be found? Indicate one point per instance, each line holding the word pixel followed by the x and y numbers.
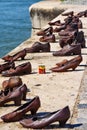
pixel 65 40
pixel 38 122
pixel 58 29
pixel 69 50
pixel 82 13
pixel 46 31
pixel 19 113
pixel 12 83
pixel 21 54
pixel 19 70
pixel 6 92
pixel 17 95
pixel 80 38
pixel 68 13
pixel 71 64
pixel 6 66
pixel 55 23
pixel 38 47
pixel 48 38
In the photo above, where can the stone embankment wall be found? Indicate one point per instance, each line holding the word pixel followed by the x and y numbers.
pixel 43 12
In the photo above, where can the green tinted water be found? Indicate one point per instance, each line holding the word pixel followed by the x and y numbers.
pixel 76 2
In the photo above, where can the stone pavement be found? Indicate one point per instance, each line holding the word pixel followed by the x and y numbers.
pixel 56 90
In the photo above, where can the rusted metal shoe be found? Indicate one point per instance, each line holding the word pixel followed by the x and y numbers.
pixel 47 31
pixel 19 70
pixel 17 95
pixel 67 64
pixel 6 66
pixel 82 14
pixel 38 122
pixel 69 50
pixel 38 47
pixel 21 54
pixel 32 106
pixel 48 38
pixel 12 83
pixel 80 38
pixel 55 23
pixel 68 13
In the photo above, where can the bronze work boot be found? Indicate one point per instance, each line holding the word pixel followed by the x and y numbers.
pixel 38 47
pixel 65 66
pixel 69 50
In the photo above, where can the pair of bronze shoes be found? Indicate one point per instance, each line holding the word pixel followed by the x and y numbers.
pixel 46 35
pixel 65 65
pixel 22 69
pixel 14 90
pixel 35 121
pixel 38 47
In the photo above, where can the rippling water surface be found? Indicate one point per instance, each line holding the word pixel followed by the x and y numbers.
pixel 15 24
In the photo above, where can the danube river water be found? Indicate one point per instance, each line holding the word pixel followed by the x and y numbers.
pixel 15 24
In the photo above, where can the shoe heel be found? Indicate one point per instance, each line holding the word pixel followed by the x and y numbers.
pixel 22 58
pixel 33 112
pixel 62 123
pixel 17 102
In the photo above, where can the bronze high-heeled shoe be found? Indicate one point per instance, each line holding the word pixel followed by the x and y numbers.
pixel 65 65
pixel 22 69
pixel 17 95
pixel 19 113
pixel 21 54
pixel 46 31
pixel 11 83
pixel 6 66
pixel 9 91
pixel 38 122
